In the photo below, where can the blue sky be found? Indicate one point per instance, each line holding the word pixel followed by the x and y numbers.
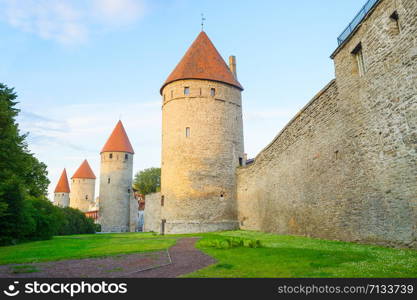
pixel 78 66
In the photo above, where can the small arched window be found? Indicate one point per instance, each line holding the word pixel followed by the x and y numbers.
pixel 126 156
pixel 395 22
pixel 212 92
pixel 187 132
pixel 111 155
pixel 108 180
pixel 186 90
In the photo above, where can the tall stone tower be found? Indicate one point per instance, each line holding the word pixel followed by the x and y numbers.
pixel 202 142
pixel 62 190
pixel 83 187
pixel 118 208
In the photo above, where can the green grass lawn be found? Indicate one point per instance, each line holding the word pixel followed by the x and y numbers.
pixel 83 246
pixel 277 256
pixel 292 256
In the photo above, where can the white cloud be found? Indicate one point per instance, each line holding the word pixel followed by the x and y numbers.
pixel 118 11
pixel 66 21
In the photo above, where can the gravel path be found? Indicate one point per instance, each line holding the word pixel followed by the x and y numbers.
pixel 182 258
pixel 185 259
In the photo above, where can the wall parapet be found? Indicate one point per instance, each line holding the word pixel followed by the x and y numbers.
pixel 294 119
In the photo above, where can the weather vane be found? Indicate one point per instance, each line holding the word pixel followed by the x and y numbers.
pixel 202 21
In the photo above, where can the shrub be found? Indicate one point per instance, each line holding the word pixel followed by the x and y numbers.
pixel 97 227
pixel 75 222
pixel 230 242
pixel 45 217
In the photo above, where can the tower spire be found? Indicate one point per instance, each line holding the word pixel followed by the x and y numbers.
pixel 202 61
pixel 202 21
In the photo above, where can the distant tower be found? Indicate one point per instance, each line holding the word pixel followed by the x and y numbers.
pixel 118 208
pixel 202 142
pixel 62 190
pixel 82 187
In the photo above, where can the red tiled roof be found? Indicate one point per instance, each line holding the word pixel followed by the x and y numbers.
pixel 202 61
pixel 84 171
pixel 63 186
pixel 118 141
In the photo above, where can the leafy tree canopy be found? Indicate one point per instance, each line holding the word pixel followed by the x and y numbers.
pixel 148 181
pixel 22 176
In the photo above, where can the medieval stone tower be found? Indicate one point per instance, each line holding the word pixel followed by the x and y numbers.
pixel 62 190
pixel 118 209
pixel 202 142
pixel 82 187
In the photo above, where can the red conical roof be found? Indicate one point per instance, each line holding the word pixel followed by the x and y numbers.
pixel 63 186
pixel 202 61
pixel 84 171
pixel 118 141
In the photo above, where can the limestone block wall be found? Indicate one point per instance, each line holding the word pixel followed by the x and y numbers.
pixel 61 199
pixel 82 193
pixel 118 212
pixel 345 166
pixel 198 170
pixel 152 214
pixel 382 107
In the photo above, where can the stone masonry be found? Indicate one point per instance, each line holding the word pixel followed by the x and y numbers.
pixel 202 142
pixel 198 172
pixel 345 167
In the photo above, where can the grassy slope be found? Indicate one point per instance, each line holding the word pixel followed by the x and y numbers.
pixel 82 246
pixel 291 256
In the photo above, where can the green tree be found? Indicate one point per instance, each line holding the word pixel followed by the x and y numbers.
pixel 21 175
pixel 75 222
pixel 148 181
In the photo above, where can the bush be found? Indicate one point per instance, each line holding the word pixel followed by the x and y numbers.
pixel 97 227
pixel 45 219
pixel 75 222
pixel 41 220
pixel 230 242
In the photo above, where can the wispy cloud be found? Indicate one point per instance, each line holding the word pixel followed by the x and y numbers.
pixel 66 21
pixel 118 12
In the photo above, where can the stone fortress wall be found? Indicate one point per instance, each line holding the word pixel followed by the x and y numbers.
pixel 152 216
pixel 198 170
pixel 345 167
